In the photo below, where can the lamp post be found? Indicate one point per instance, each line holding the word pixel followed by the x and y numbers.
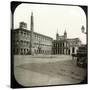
pixel 85 32
pixel 83 29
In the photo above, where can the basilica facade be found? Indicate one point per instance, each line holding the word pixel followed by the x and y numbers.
pixel 64 45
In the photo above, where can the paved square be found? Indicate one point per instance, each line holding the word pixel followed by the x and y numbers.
pixel 47 70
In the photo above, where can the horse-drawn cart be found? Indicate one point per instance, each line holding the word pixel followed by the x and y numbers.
pixel 81 56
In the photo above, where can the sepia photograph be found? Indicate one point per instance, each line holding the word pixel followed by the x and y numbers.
pixel 48 44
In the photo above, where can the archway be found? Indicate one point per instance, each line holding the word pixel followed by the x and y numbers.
pixel 73 50
pixel 69 51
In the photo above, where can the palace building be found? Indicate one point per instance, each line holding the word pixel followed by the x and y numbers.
pixel 29 42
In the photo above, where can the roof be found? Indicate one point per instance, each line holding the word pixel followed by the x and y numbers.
pixel 71 39
pixel 26 30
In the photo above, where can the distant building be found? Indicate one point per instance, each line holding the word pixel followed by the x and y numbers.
pixel 29 42
pixel 63 45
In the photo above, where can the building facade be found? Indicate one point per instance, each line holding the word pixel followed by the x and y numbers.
pixel 63 45
pixel 22 42
pixel 29 42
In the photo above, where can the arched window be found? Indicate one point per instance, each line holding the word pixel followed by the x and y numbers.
pixel 24 51
pixel 73 50
pixel 21 50
pixel 17 42
pixel 63 44
pixel 21 33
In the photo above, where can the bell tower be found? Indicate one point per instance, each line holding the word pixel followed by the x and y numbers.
pixel 65 34
pixel 57 35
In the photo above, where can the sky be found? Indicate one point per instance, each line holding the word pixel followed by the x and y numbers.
pixel 50 19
